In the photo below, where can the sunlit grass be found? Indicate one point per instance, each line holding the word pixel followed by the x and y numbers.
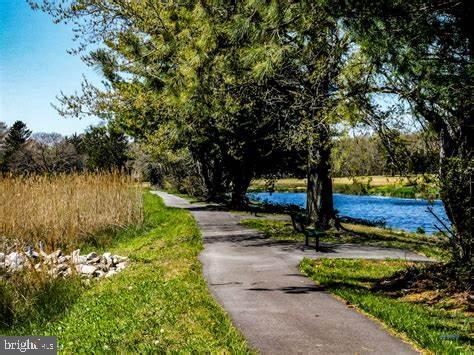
pixel 429 327
pixel 159 304
pixel 430 246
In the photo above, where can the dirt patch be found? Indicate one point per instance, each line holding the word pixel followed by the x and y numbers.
pixel 444 286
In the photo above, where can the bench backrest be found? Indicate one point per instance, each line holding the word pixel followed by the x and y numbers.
pixel 298 222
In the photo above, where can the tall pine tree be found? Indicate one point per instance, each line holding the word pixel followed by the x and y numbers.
pixel 14 140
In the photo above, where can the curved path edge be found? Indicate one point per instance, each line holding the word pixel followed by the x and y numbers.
pixel 279 310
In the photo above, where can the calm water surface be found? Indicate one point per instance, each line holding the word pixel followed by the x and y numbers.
pixel 400 213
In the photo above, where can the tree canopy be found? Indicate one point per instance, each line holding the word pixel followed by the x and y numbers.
pixel 239 86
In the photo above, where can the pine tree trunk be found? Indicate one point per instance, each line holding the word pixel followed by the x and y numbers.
pixel 240 185
pixel 210 171
pixel 319 198
pixel 456 170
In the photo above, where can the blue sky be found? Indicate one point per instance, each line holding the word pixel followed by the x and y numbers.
pixel 35 67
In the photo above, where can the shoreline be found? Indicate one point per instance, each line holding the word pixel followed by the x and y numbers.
pixel 417 198
pixel 412 187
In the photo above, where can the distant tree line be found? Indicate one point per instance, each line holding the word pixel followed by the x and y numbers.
pixel 99 148
pixel 357 155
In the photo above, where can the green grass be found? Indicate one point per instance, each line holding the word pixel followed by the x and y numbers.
pixel 158 304
pixel 430 246
pixel 436 330
pixel 406 191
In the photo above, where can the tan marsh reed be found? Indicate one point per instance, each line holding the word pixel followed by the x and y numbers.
pixel 64 210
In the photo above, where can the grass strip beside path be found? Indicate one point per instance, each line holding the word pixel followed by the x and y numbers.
pixel 430 246
pixel 158 304
pixel 438 330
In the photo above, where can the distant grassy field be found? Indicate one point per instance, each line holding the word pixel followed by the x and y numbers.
pixel 159 304
pixel 395 186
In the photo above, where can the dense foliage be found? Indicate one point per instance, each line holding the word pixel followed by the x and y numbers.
pixel 418 56
pixel 366 155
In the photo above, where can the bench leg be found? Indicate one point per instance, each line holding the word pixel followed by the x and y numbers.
pixel 317 243
pixel 306 240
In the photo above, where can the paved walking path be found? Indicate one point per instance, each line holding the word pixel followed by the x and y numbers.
pixel 279 310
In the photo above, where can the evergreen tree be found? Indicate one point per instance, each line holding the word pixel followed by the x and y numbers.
pixel 14 140
pixel 105 147
pixel 181 83
pixel 420 57
pixel 17 136
pixel 295 51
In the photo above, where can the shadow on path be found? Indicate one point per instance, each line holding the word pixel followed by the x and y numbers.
pixel 280 311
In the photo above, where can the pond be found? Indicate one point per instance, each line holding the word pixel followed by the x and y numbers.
pixel 398 213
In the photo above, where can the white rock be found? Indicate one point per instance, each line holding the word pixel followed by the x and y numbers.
pixel 91 256
pixel 93 261
pixel 119 259
pixel 86 269
pixel 57 264
pixel 103 267
pixel 55 255
pixel 64 259
pixel 30 253
pixel 33 254
pixel 42 252
pixel 14 261
pixel 108 258
pixel 75 256
pixel 122 265
pixel 61 267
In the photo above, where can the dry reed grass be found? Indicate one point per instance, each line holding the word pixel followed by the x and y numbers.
pixel 64 210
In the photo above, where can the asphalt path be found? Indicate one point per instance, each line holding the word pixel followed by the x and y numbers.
pixel 279 310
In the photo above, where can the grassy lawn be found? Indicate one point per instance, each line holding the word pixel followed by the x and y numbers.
pixel 433 326
pixel 430 246
pixel 394 186
pixel 158 304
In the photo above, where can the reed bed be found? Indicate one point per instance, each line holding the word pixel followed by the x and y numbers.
pixel 65 210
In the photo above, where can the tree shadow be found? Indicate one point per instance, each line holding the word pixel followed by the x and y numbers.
pixel 290 289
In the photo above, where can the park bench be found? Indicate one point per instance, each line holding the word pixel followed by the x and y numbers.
pixel 253 209
pixel 300 223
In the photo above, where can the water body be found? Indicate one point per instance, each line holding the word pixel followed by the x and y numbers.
pixel 398 213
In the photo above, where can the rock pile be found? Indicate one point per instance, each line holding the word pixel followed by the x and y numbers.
pixel 59 265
